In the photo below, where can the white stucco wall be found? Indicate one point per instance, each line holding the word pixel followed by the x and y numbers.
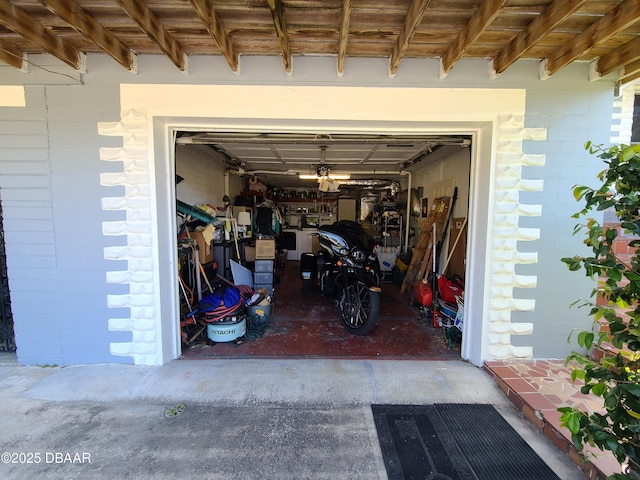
pixel 50 174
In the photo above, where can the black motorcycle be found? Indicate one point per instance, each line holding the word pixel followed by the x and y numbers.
pixel 349 272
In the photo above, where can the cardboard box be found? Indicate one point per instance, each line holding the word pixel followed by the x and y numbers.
pixel 237 210
pixel 457 263
pixel 249 253
pixel 265 248
pixel 205 251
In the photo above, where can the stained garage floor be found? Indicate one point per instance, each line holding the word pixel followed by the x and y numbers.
pixel 306 325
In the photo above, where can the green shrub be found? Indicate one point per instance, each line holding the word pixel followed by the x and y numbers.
pixel 613 378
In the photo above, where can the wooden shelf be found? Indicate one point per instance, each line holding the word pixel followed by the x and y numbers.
pixel 268 195
pixel 306 200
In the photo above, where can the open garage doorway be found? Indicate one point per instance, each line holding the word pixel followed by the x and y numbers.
pixel 228 183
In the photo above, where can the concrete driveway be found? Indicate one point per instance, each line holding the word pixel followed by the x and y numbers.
pixel 226 419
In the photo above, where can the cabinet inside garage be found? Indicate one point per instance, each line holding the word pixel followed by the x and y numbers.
pixel 249 208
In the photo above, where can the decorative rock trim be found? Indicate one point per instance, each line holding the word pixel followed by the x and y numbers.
pixel 506 234
pixel 142 300
pixel 138 253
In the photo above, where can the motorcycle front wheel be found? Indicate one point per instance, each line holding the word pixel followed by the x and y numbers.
pixel 359 308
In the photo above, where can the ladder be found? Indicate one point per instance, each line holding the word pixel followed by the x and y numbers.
pixel 421 257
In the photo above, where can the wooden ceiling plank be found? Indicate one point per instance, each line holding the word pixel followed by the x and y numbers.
pixel 618 58
pixel 630 78
pixel 416 12
pixel 12 55
pixel 344 35
pixel 544 23
pixel 631 68
pixel 618 19
pixel 277 12
pixel 81 21
pixel 215 28
pixel 484 15
pixel 151 25
pixel 20 22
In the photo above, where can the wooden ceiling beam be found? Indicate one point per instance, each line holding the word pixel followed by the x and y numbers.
pixel 151 25
pixel 22 23
pixel 618 19
pixel 82 22
pixel 215 28
pixel 344 35
pixel 481 19
pixel 413 19
pixel 555 13
pixel 618 58
pixel 12 55
pixel 277 12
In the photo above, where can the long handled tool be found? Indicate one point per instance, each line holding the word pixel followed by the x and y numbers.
pixel 235 236
pixel 201 269
pixel 434 283
pixel 186 297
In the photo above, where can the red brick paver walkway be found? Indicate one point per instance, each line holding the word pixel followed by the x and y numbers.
pixel 538 388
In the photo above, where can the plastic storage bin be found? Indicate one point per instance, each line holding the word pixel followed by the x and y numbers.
pixel 265 266
pixel 262 277
pixel 264 286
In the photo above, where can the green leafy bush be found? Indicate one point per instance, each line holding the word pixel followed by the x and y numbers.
pixel 615 378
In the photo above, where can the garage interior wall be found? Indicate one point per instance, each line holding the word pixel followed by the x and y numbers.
pixel 456 166
pixel 53 198
pixel 203 177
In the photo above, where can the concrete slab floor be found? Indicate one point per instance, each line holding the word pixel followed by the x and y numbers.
pixel 242 419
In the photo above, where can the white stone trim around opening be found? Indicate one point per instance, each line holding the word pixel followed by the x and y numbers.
pixel 622 116
pixel 151 113
pixel 507 233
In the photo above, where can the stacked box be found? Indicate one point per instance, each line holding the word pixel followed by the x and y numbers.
pixel 265 249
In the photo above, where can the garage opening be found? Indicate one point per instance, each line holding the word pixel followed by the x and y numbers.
pixel 250 257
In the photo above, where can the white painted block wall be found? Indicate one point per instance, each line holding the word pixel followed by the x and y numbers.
pixel 50 171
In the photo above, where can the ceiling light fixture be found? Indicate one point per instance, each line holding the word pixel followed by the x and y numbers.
pixel 337 176
pixel 322 170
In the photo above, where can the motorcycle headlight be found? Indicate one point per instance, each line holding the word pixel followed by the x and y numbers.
pixel 358 254
pixel 340 251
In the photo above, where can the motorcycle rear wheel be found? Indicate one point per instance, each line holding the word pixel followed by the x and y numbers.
pixel 359 308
